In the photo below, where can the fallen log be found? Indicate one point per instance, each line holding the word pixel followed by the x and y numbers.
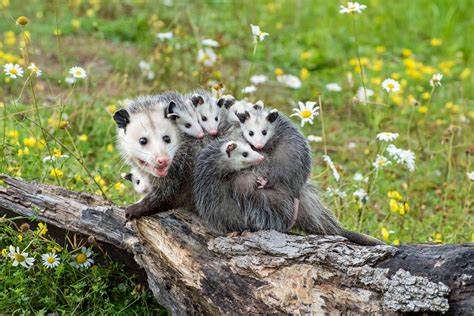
pixel 190 271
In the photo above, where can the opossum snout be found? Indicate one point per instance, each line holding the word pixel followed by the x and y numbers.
pixel 261 158
pixel 213 132
pixel 259 146
pixel 200 135
pixel 162 162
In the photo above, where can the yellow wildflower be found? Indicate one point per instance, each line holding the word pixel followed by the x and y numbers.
pixel 394 195
pixel 4 252
pixel 76 24
pixel 279 71
pixel 78 178
pixel 396 242
pixel 100 181
pixel 42 229
pixel 83 138
pixel 380 49
pixel 426 95
pixel 20 238
pixel 119 186
pixel 29 142
pixel 409 63
pixel 465 73
pixel 304 74
pixel 110 148
pixel 56 173
pixel 436 42
pixel 56 153
pixel 385 233
pixel 376 81
pixel 26 151
pixel 13 134
pixel 406 52
pixel 438 238
pixel 377 65
pixel 2 105
pixel 111 108
pixel 423 109
pixel 22 20
pixel 305 55
pixel 395 76
pixel 41 144
pixel 20 152
pixel 394 206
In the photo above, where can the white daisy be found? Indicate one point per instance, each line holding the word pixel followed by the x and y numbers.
pixel 54 158
pixel 207 57
pixel 164 36
pixel 314 139
pixel 470 175
pixel 144 66
pixel 50 260
pixel 249 89
pixel 402 156
pixel 78 72
pixel 336 192
pixel 381 162
pixel 387 137
pixel 334 87
pixel 258 79
pixel 258 35
pixel 83 259
pixel 351 145
pixel 70 80
pixel 290 81
pixel 20 258
pixel 436 80
pixel 210 42
pixel 306 112
pixel 361 196
pixel 359 177
pixel 34 69
pixel 331 165
pixel 361 95
pixel 390 85
pixel 13 70
pixel 352 7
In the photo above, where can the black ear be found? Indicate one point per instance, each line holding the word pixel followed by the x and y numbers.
pixel 258 105
pixel 197 100
pixel 169 111
pixel 272 116
pixel 122 118
pixel 127 176
pixel 243 116
pixel 231 146
pixel 227 101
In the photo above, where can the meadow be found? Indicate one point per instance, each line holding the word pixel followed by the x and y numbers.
pixel 413 183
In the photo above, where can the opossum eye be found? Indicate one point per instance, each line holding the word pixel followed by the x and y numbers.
pixel 187 125
pixel 245 154
pixel 264 132
pixel 204 118
pixel 251 133
pixel 167 139
pixel 143 141
pixel 138 182
pixel 216 119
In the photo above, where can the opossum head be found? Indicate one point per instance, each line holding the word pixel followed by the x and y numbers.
pixel 258 125
pixel 147 139
pixel 239 155
pixel 185 117
pixel 140 182
pixel 208 110
pixel 237 107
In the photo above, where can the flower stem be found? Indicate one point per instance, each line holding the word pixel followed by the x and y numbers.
pixel 322 125
pixel 359 60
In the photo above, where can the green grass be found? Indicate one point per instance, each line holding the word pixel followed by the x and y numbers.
pixel 113 37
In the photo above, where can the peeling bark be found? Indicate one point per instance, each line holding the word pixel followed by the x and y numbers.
pixel 190 271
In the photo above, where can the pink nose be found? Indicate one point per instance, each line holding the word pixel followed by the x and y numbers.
pixel 213 132
pixel 162 162
pixel 200 135
pixel 261 158
pixel 259 146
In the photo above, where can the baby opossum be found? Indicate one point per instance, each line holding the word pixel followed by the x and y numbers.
pixel 141 182
pixel 209 109
pixel 153 144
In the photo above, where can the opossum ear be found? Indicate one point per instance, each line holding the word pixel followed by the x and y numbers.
pixel 127 176
pixel 231 146
pixel 243 116
pixel 169 111
pixel 227 101
pixel 197 100
pixel 272 116
pixel 122 118
pixel 258 105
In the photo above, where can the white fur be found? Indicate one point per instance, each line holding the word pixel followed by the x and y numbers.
pixel 238 107
pixel 209 115
pixel 187 120
pixel 258 123
pixel 237 161
pixel 140 181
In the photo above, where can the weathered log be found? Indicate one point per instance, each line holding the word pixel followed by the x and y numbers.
pixel 190 271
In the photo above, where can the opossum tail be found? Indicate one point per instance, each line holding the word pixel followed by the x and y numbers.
pixel 315 218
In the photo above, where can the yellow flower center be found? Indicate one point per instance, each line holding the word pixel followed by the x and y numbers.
pixel 306 114
pixel 13 71
pixel 51 260
pixel 78 72
pixel 390 85
pixel 81 258
pixel 19 258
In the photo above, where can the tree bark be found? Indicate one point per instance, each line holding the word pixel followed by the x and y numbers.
pixel 190 271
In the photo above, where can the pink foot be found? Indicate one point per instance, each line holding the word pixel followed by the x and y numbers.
pixel 261 182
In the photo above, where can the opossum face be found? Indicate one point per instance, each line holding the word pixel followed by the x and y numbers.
pixel 148 140
pixel 258 126
pixel 185 118
pixel 236 108
pixel 240 155
pixel 141 183
pixel 208 113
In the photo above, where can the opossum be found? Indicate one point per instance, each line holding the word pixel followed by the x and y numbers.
pixel 141 182
pixel 182 112
pixel 153 144
pixel 209 109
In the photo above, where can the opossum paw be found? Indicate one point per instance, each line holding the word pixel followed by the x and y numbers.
pixel 261 182
pixel 233 234
pixel 133 212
